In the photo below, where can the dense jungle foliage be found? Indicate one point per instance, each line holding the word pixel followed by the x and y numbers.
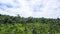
pixel 30 25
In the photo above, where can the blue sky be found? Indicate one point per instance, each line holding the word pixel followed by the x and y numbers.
pixel 34 8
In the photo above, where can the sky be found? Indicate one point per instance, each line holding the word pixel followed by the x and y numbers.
pixel 34 8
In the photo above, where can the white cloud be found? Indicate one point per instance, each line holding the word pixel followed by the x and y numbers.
pixel 49 10
pixel 35 8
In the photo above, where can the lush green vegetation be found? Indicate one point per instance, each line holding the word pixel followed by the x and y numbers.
pixel 30 25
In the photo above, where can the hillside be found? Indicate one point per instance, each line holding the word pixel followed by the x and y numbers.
pixel 30 25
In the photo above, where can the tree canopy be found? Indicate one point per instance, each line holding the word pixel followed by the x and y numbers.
pixel 30 25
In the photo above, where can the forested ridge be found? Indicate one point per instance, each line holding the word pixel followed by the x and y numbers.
pixel 30 25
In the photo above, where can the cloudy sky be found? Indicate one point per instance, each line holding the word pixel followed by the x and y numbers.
pixel 34 8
